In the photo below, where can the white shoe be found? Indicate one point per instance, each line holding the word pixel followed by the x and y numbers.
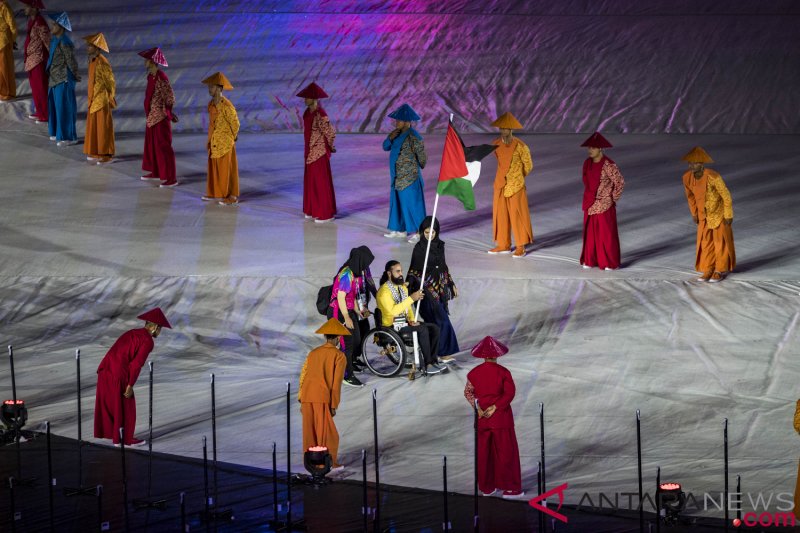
pixel 586 267
pixel 53 138
pixel 488 493
pixel 168 186
pixel 150 178
pixel 338 468
pixel 66 143
pixel 33 117
pixel 307 216
pixel 319 221
pixel 395 234
pixel 228 203
pixel 414 239
pixel 205 198
pixel 520 496
pixel 609 269
pixel 90 158
pixel 105 161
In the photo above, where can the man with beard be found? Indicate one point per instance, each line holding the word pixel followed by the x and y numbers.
pixel 396 306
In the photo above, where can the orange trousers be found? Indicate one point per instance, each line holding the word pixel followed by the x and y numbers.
pixel 319 429
pixel 99 139
pixel 715 251
pixel 511 215
pixel 223 176
pixel 8 76
pixel 797 493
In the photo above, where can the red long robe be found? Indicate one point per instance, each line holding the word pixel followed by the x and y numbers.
pixel 118 369
pixel 498 453
pixel 319 198
pixel 600 235
pixel 159 157
pixel 38 31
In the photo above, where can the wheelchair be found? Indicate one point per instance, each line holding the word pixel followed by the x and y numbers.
pixel 387 352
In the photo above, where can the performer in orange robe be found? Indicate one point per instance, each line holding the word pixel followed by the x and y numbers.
pixel 490 389
pixel 98 144
pixel 36 52
pixel 510 213
pixel 115 404
pixel 602 188
pixel 159 158
pixel 712 210
pixel 8 43
pixel 797 486
pixel 320 390
pixel 319 198
pixel 223 130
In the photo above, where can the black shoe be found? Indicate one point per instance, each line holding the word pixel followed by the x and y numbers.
pixel 358 367
pixel 353 382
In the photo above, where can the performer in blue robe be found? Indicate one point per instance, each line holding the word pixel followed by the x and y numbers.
pixel 62 68
pixel 407 158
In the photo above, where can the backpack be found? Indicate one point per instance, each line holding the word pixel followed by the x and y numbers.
pixel 324 299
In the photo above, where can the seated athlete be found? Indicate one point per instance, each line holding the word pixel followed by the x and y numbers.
pixel 396 305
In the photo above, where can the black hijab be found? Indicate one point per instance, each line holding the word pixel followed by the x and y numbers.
pixel 360 259
pixel 436 259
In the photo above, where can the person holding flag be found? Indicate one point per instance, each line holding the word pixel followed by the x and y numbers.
pixel 407 158
pixel 510 212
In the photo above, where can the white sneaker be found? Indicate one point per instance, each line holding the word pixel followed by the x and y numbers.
pixel 488 493
pixel 307 216
pixel 395 234
pixel 53 138
pixel 90 158
pixel 319 221
pixel 414 239
pixel 106 161
pixel 337 468
pixel 168 185
pixel 33 117
pixel 66 143
pixel 150 178
pixel 609 269
pixel 520 496
pixel 586 267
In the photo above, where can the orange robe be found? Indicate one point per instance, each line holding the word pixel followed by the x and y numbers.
pixel 797 487
pixel 320 391
pixel 99 139
pixel 223 170
pixel 8 34
pixel 510 213
pixel 710 201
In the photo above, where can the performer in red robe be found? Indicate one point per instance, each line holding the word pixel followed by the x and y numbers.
pixel 490 389
pixel 159 158
pixel 36 52
pixel 115 405
pixel 319 198
pixel 603 186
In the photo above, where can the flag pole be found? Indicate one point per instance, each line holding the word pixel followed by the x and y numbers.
pixel 428 247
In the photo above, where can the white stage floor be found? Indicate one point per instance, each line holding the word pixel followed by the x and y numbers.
pixel 84 249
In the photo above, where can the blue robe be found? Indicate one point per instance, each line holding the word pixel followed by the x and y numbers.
pixel 61 102
pixel 406 207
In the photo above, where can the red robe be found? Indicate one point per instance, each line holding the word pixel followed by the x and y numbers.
pixel 498 454
pixel 600 236
pixel 159 158
pixel 118 369
pixel 37 76
pixel 319 198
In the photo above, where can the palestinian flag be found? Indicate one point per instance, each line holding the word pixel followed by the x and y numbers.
pixel 461 168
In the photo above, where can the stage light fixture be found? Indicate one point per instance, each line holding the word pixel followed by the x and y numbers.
pixel 318 462
pixel 14 415
pixel 672 501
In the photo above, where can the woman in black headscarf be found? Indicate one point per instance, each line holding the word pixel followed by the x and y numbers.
pixel 439 288
pixel 352 288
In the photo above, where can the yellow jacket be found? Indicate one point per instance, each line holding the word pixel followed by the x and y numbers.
pixel 8 26
pixel 321 377
pixel 511 172
pixel 390 309
pixel 717 203
pixel 226 128
pixel 103 87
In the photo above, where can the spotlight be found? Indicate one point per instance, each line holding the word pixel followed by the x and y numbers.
pixel 318 462
pixel 14 415
pixel 672 501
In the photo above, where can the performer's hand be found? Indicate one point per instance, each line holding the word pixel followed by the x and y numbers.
pixel 394 133
pixel 15 46
pixel 480 412
pixel 333 411
pixel 489 411
pixel 174 117
pixel 128 392
pixel 727 221
pixel 333 150
pixel 365 313
pixel 455 291
pixel 348 322
pixel 417 296
pixel 696 220
pixel 413 323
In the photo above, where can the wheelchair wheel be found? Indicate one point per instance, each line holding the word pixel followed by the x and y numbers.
pixel 384 352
